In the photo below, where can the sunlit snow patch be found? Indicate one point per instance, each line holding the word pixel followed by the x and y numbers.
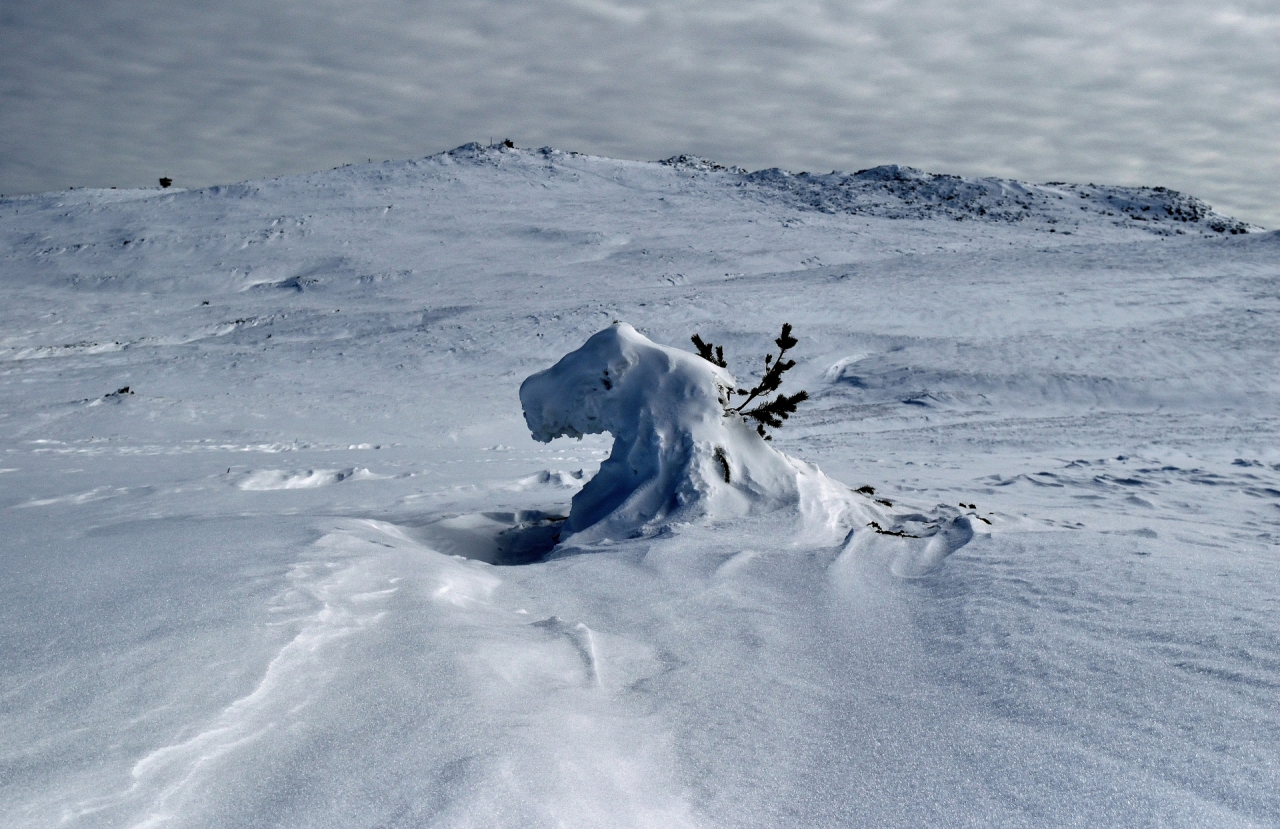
pixel 96 494
pixel 265 479
pixel 549 478
pixel 677 456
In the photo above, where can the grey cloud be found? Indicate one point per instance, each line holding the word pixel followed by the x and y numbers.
pixel 120 91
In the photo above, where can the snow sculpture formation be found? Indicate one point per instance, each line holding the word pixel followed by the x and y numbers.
pixel 676 455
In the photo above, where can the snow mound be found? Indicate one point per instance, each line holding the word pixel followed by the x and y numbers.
pixel 559 479
pixel 264 480
pixel 677 456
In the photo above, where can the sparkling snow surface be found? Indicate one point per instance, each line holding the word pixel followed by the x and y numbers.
pixel 266 585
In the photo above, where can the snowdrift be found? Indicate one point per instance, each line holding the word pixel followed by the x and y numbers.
pixel 676 455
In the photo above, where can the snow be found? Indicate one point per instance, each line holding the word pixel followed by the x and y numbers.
pixel 905 192
pixel 677 455
pixel 298 575
pixel 264 479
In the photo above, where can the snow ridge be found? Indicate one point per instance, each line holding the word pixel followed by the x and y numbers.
pixel 889 191
pixel 894 191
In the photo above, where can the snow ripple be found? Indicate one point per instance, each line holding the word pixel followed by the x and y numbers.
pixel 329 598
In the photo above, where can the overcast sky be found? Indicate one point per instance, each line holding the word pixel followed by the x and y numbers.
pixel 1181 93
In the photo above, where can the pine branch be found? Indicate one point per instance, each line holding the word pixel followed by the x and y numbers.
pixel 712 354
pixel 777 410
pixel 770 413
pixel 773 369
pixel 786 340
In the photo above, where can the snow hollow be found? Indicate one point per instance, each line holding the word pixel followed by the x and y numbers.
pixel 280 547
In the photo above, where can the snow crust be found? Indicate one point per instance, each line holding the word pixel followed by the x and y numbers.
pixel 677 456
pixel 212 615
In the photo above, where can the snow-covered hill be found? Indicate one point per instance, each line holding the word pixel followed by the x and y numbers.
pixel 262 445
pixel 897 192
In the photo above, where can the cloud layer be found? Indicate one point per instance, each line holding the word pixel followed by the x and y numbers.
pixel 118 92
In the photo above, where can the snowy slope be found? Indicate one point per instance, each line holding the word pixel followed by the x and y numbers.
pixel 256 588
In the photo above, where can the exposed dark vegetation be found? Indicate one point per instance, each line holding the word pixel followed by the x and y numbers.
pixel 769 413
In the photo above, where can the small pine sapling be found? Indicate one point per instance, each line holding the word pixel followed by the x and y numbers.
pixel 769 413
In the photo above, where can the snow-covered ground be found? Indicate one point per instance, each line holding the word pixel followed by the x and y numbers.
pixel 274 583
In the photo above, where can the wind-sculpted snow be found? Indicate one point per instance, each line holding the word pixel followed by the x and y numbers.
pixel 271 583
pixel 269 479
pixel 677 456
